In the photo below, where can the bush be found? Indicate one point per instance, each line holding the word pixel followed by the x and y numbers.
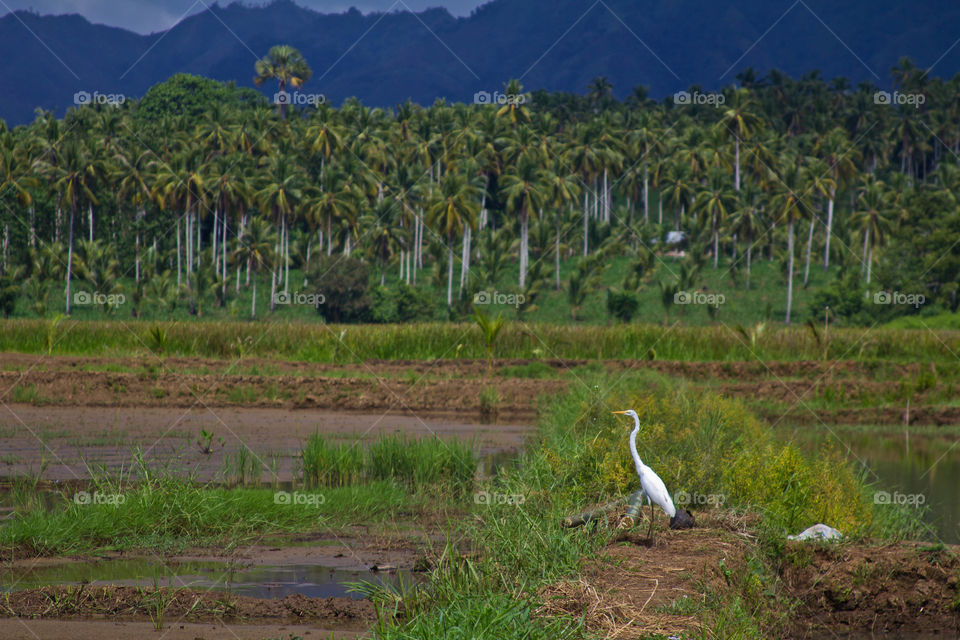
pixel 698 443
pixel 622 305
pixel 414 304
pixel 343 282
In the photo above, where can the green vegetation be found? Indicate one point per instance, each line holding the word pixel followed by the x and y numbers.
pixel 170 514
pixel 700 442
pixel 576 209
pixel 346 344
pixel 416 462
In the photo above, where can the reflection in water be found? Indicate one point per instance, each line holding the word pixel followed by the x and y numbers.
pixel 266 582
pixel 912 470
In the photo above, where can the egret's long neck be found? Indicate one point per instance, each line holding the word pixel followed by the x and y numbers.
pixel 633 445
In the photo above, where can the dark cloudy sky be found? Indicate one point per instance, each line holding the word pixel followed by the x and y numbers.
pixel 145 16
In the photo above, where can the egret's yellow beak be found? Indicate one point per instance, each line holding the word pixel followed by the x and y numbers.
pixel 619 411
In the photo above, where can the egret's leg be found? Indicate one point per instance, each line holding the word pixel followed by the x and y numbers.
pixel 650 534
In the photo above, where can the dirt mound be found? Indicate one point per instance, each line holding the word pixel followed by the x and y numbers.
pixel 636 589
pixel 182 604
pixel 901 588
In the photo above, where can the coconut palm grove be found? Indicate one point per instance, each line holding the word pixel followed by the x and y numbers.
pixel 777 197
pixel 540 365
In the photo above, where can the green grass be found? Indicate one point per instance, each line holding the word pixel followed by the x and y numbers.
pixel 349 344
pixel 414 462
pixel 168 514
pixel 579 458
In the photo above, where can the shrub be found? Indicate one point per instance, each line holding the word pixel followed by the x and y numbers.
pixel 343 282
pixel 698 443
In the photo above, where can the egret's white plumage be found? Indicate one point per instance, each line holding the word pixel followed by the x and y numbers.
pixel 653 486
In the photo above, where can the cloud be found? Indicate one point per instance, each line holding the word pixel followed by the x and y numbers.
pixel 147 16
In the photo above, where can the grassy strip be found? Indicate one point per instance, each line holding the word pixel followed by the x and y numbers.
pixel 343 344
pixel 699 442
pixel 413 461
pixel 170 514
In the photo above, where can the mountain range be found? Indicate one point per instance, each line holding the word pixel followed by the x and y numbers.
pixel 558 45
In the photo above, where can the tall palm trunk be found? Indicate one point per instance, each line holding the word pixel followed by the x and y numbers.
pixel 90 210
pixel 716 242
pixel 826 247
pixel 178 253
pixel 223 251
pixel 73 211
pixel 450 271
pixel 524 232
pixel 736 163
pixel 646 192
pixel 806 267
pixel 749 251
pixel 465 260
pixel 789 270
pixel 253 302
pixel 586 222
pixel 556 250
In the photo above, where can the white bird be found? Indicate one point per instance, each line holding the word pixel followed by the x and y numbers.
pixel 652 485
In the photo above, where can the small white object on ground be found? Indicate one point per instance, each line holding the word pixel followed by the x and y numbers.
pixel 821 531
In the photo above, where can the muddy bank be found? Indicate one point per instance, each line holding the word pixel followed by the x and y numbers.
pixel 72 629
pixel 839 590
pixel 71 439
pixel 131 603
pixel 895 588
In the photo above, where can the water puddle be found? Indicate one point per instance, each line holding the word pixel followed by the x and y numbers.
pixel 910 469
pixel 265 582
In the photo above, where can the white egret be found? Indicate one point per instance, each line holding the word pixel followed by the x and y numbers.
pixel 653 486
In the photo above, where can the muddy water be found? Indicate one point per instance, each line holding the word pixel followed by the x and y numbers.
pixel 264 581
pixel 74 439
pixel 919 471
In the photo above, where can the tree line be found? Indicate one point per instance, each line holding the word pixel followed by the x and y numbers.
pixel 200 190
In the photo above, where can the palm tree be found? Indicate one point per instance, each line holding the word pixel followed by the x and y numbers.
pixel 873 217
pixel 680 190
pixel 73 174
pixel 841 157
pixel 281 190
pixel 514 109
pixel 739 122
pixel 788 206
pixel 524 190
pixel 287 66
pixel 715 201
pixel 646 139
pixel 255 248
pixel 453 209
pixel 747 219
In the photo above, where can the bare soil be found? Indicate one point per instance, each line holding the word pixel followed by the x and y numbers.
pixel 898 588
pixel 78 629
pixel 840 589
pixel 177 605
pixel 443 387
